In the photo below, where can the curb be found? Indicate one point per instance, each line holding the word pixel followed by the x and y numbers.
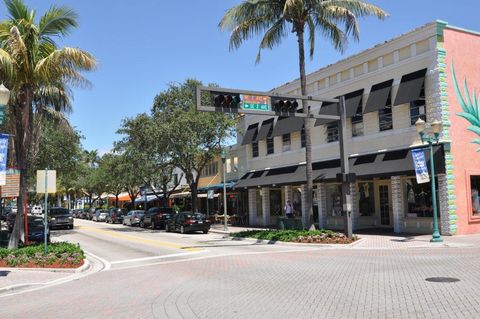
pixel 272 242
pixel 82 268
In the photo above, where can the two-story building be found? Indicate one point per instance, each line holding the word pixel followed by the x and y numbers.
pixel 387 88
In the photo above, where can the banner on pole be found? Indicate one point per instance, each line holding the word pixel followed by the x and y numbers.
pixel 3 158
pixel 11 189
pixel 51 181
pixel 421 170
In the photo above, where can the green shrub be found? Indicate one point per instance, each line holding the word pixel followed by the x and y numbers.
pixel 63 252
pixel 286 235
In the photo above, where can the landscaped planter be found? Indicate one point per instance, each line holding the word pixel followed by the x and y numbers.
pixel 297 236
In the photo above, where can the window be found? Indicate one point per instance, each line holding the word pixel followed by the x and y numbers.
pixel 286 142
pixel 229 165
pixel 303 139
pixel 419 198
pixel 475 188
pixel 332 132
pixel 385 116
pixel 235 164
pixel 334 199
pixel 366 200
pixel 417 108
pixel 270 146
pixel 210 169
pixel 255 149
pixel 357 122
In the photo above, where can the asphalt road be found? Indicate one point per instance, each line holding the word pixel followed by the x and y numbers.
pixel 157 275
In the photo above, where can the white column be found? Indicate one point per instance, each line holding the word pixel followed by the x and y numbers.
pixel 397 204
pixel 265 206
pixel 287 190
pixel 322 206
pixel 252 206
pixel 443 199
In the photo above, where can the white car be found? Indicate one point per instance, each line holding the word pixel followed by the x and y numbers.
pixel 37 210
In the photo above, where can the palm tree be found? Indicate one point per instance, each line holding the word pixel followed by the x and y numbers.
pixel 39 75
pixel 273 19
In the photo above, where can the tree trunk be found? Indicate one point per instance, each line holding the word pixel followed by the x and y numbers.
pixel 116 200
pixel 193 190
pixel 307 123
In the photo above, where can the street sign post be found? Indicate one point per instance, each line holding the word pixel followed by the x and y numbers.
pixel 46 183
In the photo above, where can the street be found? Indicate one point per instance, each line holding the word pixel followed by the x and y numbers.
pixel 153 274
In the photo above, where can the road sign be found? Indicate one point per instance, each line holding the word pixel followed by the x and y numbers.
pixel 256 102
pixel 210 194
pixel 11 188
pixel 50 180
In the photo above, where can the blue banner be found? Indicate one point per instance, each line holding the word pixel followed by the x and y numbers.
pixel 3 158
pixel 421 169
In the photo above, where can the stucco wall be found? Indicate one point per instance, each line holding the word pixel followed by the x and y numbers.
pixel 462 49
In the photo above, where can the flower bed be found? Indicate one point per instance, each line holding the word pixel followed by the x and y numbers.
pixel 60 255
pixel 298 236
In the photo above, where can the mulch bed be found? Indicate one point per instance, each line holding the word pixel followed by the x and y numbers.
pixel 32 264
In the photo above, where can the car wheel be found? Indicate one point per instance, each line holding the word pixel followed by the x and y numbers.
pixel 167 228
pixel 153 225
pixel 142 224
pixel 182 230
pixel 205 231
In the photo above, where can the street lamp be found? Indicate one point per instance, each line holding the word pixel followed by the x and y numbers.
pixel 224 156
pixel 4 97
pixel 431 139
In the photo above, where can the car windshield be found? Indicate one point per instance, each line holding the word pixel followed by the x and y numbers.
pixel 60 211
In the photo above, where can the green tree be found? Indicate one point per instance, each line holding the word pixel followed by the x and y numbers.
pixel 111 171
pixel 39 75
pixel 192 138
pixel 275 18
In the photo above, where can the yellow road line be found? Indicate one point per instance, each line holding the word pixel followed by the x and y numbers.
pixel 145 241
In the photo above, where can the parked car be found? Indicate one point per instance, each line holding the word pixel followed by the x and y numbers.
pixel 116 215
pixel 100 215
pixel 156 217
pixel 133 217
pixel 36 210
pixel 59 217
pixel 91 212
pixel 187 222
pixel 36 229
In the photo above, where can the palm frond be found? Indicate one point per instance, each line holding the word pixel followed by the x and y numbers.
pixel 469 106
pixel 17 10
pixel 7 71
pixel 272 37
pixel 57 21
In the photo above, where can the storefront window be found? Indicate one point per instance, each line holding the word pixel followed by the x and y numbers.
pixel 419 198
pixel 334 200
pixel 366 200
pixel 297 202
pixel 275 202
pixel 259 203
pixel 475 186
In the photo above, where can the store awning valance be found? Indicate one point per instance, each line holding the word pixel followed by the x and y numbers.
pixel 287 125
pixel 264 130
pixel 377 99
pixel 250 134
pixel 410 87
pixel 327 108
pixel 386 164
pixel 352 102
pixel 228 185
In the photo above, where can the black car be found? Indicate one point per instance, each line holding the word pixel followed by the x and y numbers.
pixel 36 230
pixel 116 215
pixel 59 217
pixel 187 222
pixel 156 217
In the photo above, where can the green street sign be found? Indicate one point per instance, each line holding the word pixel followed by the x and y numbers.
pixel 256 102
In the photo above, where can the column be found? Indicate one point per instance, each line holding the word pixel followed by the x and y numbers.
pixel 288 192
pixel 252 206
pixel 397 204
pixel 444 197
pixel 265 206
pixel 322 206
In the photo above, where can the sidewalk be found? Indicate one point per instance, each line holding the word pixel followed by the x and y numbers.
pixel 371 240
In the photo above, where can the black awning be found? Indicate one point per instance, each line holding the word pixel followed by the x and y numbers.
pixel 252 130
pixel 352 102
pixel 377 99
pixel 287 125
pixel 410 87
pixel 249 179
pixel 327 108
pixel 264 130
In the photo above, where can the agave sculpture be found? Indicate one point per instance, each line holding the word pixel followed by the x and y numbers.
pixel 470 108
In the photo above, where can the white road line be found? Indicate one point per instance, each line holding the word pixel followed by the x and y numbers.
pixel 106 263
pixel 156 257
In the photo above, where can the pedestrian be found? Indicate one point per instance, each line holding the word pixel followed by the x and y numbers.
pixel 288 209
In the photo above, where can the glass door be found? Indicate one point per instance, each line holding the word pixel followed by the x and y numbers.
pixel 384 204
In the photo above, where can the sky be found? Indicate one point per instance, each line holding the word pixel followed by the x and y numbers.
pixel 144 45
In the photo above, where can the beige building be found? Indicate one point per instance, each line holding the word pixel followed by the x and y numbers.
pixel 387 88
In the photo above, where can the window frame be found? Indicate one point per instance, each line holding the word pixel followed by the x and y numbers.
pixel 255 149
pixel 270 142
pixel 329 128
pixel 358 119
pixel 381 113
pixel 286 142
pixel 468 174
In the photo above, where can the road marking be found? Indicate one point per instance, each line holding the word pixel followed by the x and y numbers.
pixel 145 241
pixel 156 257
pixel 106 264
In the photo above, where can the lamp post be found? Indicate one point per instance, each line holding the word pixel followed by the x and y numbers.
pixel 224 156
pixel 431 139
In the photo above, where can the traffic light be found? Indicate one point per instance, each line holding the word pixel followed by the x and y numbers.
pixel 284 106
pixel 225 100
